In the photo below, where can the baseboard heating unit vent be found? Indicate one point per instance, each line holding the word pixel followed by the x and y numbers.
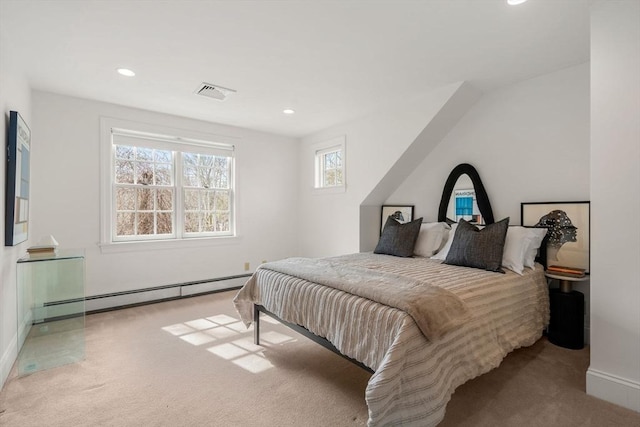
pixel 135 297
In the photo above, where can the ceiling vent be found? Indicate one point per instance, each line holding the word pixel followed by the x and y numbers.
pixel 214 91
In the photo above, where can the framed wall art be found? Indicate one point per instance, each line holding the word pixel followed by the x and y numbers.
pixel 401 213
pixel 17 181
pixel 568 225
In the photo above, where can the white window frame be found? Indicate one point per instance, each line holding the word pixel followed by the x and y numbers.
pixel 320 150
pixel 153 188
pixel 166 138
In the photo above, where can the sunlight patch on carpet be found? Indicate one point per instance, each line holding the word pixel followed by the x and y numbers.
pixel 228 351
pixel 200 324
pixel 198 338
pixel 237 326
pixel 232 339
pixel 222 319
pixel 253 363
pixel 178 329
pixel 248 345
pixel 273 337
pixel 221 332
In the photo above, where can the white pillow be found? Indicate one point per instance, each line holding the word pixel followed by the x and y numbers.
pixel 442 253
pixel 521 246
pixel 535 237
pixel 515 249
pixel 430 238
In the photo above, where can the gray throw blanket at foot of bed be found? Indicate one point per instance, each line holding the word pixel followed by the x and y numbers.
pixel 435 310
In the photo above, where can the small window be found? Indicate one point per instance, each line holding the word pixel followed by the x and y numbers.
pixel 330 162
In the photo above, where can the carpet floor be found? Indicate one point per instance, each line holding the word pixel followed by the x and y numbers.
pixel 191 362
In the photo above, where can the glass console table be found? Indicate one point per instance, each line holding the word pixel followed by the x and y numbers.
pixel 50 309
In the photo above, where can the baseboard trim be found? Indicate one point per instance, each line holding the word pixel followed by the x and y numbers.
pixel 8 359
pixel 158 300
pixel 614 389
pixel 131 298
pixel 65 309
pixel 174 286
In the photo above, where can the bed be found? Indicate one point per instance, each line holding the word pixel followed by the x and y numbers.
pixel 421 325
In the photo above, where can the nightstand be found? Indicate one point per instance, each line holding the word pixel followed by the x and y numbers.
pixel 566 325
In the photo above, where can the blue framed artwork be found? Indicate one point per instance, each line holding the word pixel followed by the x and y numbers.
pixel 17 181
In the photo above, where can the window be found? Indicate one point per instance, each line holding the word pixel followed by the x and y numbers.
pixel 329 157
pixel 164 187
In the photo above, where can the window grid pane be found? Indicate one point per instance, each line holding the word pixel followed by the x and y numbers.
pixel 146 188
pixel 331 169
pixel 137 165
pixel 207 211
pixel 144 207
pixel 207 193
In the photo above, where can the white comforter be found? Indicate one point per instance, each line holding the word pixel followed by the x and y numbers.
pixel 414 377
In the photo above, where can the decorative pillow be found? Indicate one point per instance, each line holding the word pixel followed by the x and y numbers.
pixel 534 239
pixel 516 245
pixel 430 238
pixel 442 253
pixel 472 247
pixel 398 239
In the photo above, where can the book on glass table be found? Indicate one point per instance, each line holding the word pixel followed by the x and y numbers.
pixel 42 250
pixel 46 246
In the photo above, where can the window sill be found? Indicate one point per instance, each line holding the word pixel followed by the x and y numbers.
pixel 153 245
pixel 329 190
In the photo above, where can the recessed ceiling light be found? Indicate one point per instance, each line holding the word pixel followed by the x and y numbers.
pixel 288 111
pixel 515 2
pixel 126 72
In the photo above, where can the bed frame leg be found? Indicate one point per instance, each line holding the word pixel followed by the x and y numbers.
pixel 256 324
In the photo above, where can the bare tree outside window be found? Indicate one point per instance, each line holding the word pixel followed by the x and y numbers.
pixel 332 168
pixel 147 193
pixel 207 193
pixel 143 189
pixel 330 165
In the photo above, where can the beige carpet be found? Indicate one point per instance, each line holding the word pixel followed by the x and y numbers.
pixel 191 363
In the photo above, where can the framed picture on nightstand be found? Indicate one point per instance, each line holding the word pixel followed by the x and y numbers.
pixel 567 224
pixel 401 213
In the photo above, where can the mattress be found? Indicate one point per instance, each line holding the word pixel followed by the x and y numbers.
pixel 414 377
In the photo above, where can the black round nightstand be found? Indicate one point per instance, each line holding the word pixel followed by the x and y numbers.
pixel 566 325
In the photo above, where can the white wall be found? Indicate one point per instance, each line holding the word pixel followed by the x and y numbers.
pixel 66 199
pixel 614 372
pixel 529 142
pixel 14 95
pixel 330 222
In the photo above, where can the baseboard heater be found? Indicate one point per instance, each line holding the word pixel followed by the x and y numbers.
pixel 136 297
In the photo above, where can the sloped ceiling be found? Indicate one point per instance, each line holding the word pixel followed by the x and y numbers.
pixel 331 61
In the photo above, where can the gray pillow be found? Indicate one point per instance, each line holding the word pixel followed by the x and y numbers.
pixel 398 239
pixel 472 247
